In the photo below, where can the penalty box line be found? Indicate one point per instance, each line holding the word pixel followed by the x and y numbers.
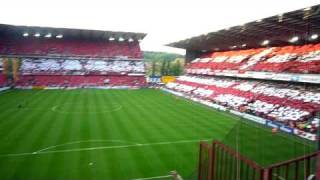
pixel 103 148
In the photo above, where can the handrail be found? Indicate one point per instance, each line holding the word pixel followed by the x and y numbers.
pixel 314 154
pixel 238 155
pixel 263 173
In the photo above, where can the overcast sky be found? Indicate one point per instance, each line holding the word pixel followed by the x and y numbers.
pixel 165 21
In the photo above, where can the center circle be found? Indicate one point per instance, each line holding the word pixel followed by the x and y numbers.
pixel 77 108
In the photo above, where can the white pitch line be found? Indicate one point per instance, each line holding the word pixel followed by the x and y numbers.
pixel 84 141
pixel 102 147
pixel 155 177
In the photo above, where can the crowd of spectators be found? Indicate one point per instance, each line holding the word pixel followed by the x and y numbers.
pixel 71 62
pixel 69 47
pixel 63 81
pixel 293 105
pixel 288 59
pixel 58 66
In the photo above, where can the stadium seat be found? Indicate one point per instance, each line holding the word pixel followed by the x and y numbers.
pixel 62 47
pixel 288 59
pixel 291 105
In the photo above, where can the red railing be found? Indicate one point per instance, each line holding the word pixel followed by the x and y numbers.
pixel 229 164
pixel 294 169
pixel 205 157
pixel 220 162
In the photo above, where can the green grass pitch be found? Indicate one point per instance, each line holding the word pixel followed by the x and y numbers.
pixel 121 134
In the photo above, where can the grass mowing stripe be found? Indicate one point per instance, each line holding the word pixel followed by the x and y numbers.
pixel 135 131
pixel 112 131
pixel 56 127
pixel 99 162
pixel 94 158
pixel 11 118
pixel 200 117
pixel 149 117
pixel 77 161
pixel 31 131
pixel 140 131
pixel 176 161
pixel 19 126
pixel 54 134
pixel 175 149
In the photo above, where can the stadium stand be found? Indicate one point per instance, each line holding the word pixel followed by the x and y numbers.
pixel 73 57
pixel 80 81
pixel 231 79
pixel 266 71
pixel 79 73
pixel 60 66
pixel 222 78
pixel 49 47
pixel 292 105
pixel 288 59
pixel 3 79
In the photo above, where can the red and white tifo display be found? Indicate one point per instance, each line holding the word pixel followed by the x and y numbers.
pixel 63 62
pixel 78 73
pixel 283 104
pixel 303 59
pixel 294 106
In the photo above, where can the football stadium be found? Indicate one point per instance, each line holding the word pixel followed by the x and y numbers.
pixel 78 104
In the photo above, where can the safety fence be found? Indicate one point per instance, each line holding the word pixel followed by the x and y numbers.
pixel 217 161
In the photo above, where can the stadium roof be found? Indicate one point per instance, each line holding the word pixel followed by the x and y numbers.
pixel 11 30
pixel 282 29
